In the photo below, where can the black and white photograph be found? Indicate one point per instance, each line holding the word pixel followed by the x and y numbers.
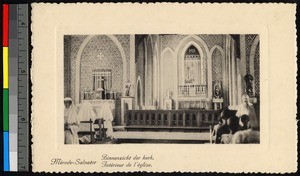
pixel 162 88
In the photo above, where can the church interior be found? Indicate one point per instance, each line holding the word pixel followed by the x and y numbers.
pixel 160 87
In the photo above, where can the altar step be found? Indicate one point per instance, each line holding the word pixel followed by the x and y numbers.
pixel 167 128
pixel 162 128
pixel 161 137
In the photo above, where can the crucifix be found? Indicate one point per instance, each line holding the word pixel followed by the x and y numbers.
pixel 104 86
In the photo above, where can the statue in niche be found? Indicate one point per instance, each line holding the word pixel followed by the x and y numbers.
pixel 127 92
pixel 248 79
pixel 173 101
pixel 218 90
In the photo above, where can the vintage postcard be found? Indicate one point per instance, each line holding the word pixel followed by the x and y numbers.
pixel 164 87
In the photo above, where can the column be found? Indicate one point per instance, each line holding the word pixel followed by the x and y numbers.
pixel 226 72
pixel 229 72
pixel 234 75
pixel 132 60
pixel 146 75
pixel 132 67
pixel 243 62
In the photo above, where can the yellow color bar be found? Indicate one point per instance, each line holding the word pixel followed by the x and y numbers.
pixel 5 67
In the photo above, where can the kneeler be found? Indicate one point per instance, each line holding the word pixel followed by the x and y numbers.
pixel 102 130
pixel 91 132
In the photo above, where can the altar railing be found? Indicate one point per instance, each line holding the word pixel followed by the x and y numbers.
pixel 192 90
pixel 91 95
pixel 171 118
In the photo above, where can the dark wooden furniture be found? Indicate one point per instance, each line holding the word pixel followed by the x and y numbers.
pixel 91 132
pixel 190 120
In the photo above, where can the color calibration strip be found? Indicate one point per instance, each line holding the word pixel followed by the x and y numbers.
pixel 15 88
pixel 5 89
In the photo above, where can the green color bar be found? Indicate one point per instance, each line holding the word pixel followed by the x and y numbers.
pixel 5 110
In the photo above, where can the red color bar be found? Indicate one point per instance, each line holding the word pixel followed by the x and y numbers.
pixel 5 25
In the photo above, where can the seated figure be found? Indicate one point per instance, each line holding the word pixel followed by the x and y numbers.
pixel 244 122
pixel 233 125
pixel 216 129
pixel 248 136
pixel 224 128
pixel 247 108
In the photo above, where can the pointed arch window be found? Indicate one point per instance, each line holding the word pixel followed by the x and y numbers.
pixel 192 66
pixel 193 83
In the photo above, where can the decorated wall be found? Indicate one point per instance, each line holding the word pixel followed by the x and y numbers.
pixel 256 70
pixel 172 41
pixel 113 59
pixel 253 51
pixel 71 47
pixel 217 74
pixel 90 61
pixel 101 53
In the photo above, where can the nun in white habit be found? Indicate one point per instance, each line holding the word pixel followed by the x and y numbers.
pixel 86 113
pixel 247 108
pixel 106 114
pixel 71 122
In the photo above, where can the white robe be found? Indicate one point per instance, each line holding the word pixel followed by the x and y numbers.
pixel 106 114
pixel 250 111
pixel 248 136
pixel 86 113
pixel 72 124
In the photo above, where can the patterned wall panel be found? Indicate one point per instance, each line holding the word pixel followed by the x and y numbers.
pixel 74 43
pixel 67 66
pixel 125 42
pixel 249 40
pixel 217 65
pixel 171 41
pixel 256 70
pixel 71 49
pixel 112 60
pixel 212 40
pixel 205 70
